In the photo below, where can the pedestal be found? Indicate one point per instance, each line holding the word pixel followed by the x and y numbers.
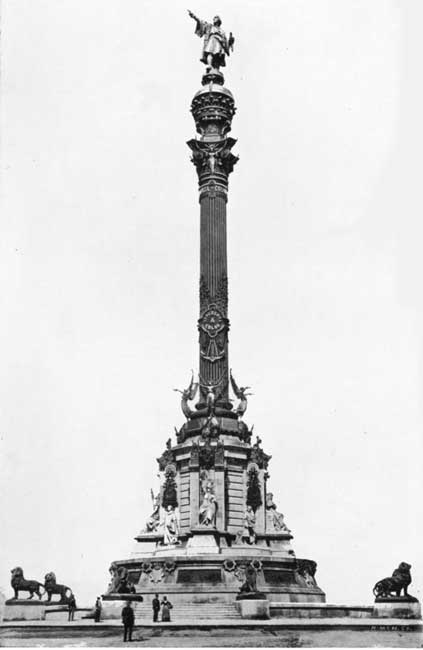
pixel 24 610
pixel 397 608
pixel 203 541
pixel 253 606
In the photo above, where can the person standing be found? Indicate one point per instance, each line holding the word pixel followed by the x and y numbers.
pixel 156 608
pixel 166 607
pixel 71 607
pixel 97 610
pixel 128 619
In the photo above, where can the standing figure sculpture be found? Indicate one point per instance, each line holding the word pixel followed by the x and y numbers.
pixel 171 527
pixel 216 44
pixel 208 507
pixel 249 533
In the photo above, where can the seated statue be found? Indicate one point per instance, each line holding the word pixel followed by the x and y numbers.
pixel 274 519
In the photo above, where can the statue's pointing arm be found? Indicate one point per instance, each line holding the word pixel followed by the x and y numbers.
pixel 201 25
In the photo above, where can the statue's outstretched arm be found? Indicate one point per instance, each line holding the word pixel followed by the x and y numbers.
pixel 193 16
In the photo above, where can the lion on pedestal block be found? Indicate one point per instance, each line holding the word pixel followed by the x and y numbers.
pixel 19 583
pixel 51 587
pixel 398 582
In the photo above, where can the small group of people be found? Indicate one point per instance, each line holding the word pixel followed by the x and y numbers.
pixel 165 605
pixel 128 615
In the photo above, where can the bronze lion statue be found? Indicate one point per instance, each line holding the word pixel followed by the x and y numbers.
pixel 391 587
pixel 51 587
pixel 19 583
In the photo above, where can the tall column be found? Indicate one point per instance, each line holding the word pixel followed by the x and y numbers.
pixel 213 108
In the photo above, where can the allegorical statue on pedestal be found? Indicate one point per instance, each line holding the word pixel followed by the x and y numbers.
pixel 170 527
pixel 216 44
pixel 275 520
pixel 208 507
pixel 249 533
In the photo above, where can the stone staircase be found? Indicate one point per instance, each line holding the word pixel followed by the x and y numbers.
pixel 195 612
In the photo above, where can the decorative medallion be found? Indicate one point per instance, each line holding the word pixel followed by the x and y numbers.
pixel 212 321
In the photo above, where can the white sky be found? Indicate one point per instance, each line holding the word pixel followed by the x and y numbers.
pixel 99 273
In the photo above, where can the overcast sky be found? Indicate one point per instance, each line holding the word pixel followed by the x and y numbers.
pixel 99 273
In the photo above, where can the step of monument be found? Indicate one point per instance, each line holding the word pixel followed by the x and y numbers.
pixel 191 611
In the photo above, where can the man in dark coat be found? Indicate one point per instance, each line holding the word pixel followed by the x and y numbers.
pixel 97 610
pixel 128 619
pixel 156 608
pixel 71 607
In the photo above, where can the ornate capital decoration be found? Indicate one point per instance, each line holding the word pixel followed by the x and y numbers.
pixel 213 108
pixel 213 161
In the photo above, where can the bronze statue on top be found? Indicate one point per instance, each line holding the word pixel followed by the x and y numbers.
pixel 216 44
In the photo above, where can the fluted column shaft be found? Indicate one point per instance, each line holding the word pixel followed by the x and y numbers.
pixel 213 322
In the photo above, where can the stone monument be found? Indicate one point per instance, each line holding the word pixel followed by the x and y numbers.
pixel 215 530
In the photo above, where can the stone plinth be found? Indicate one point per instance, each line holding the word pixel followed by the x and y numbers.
pixel 24 610
pixel 397 608
pixel 254 608
pixel 202 541
pixel 306 610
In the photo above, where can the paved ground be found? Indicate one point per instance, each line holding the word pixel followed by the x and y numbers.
pixel 266 634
